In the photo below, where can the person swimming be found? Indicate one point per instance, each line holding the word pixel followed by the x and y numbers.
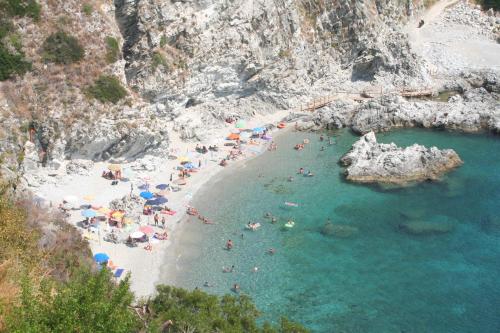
pixel 322 148
pixel 228 269
pixel 301 171
pixel 274 220
pixel 229 244
pixel 290 179
pixel 271 251
pixel 236 288
pixel 321 138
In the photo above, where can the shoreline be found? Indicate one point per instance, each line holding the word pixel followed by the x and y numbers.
pixel 147 268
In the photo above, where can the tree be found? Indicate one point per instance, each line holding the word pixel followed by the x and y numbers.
pixel 89 302
pixel 197 311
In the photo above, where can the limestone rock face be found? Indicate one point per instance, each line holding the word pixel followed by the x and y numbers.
pixel 371 162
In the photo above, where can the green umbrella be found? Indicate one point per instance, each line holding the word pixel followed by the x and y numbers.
pixel 240 124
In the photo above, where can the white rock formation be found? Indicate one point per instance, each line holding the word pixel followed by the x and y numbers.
pixel 370 162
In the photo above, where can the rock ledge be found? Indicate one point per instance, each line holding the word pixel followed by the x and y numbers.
pixel 370 162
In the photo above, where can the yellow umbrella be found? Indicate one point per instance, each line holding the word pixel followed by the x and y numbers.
pixel 114 167
pixel 183 159
pixel 127 220
pixel 117 215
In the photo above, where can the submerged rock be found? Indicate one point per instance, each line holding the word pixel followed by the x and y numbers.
pixel 438 224
pixel 371 162
pixel 338 230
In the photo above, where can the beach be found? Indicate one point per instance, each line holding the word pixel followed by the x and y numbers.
pixel 92 189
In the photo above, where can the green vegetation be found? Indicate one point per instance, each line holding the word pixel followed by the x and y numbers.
pixel 163 41
pixel 12 63
pixel 89 302
pixel 107 89
pixel 197 311
pixel 284 53
pixel 113 50
pixel 87 9
pixel 487 4
pixel 12 60
pixel 20 8
pixel 62 48
pixel 158 59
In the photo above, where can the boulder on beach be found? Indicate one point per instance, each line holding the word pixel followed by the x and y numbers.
pixel 438 224
pixel 338 230
pixel 371 162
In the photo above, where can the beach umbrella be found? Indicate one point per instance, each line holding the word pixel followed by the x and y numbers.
pixel 189 165
pixel 89 213
pixel 183 159
pixel 157 201
pixel 114 167
pixel 259 130
pixel 233 136
pixel 117 214
pixel 162 186
pixel 240 124
pixel 101 258
pixel 146 195
pixel 136 234
pixel 147 229
pixel 162 193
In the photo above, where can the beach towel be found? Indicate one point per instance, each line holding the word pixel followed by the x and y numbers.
pixel 118 272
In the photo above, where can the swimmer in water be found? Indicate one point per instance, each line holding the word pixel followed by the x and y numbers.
pixel 274 220
pixel 301 171
pixel 271 251
pixel 321 138
pixel 290 179
pixel 229 244
pixel 236 288
pixel 322 148
pixel 255 269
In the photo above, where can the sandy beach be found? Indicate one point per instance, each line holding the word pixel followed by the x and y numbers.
pixel 143 265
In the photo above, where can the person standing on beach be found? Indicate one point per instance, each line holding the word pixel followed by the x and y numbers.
pixel 163 222
pixel 156 218
pixel 199 163
pixel 171 177
pixel 131 189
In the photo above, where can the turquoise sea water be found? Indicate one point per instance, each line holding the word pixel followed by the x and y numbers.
pixel 379 279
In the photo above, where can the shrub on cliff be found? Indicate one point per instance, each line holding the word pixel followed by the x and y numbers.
pixel 107 88
pixel 196 311
pixel 487 4
pixel 62 48
pixel 89 302
pixel 12 63
pixel 20 8
pixel 112 50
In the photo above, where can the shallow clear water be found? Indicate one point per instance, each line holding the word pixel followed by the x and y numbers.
pixel 379 279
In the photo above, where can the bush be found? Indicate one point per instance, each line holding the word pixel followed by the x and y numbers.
pixel 62 48
pixel 87 9
pixel 163 41
pixel 89 302
pixel 159 60
pixel 11 63
pixel 107 89
pixel 113 50
pixel 11 8
pixel 197 311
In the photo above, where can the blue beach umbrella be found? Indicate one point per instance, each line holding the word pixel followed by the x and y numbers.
pixel 259 130
pixel 161 200
pixel 189 165
pixel 89 213
pixel 101 257
pixel 146 195
pixel 162 186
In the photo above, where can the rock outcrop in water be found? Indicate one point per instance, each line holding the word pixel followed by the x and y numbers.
pixel 372 162
pixel 438 224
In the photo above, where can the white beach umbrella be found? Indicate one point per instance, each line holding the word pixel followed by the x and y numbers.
pixel 137 234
